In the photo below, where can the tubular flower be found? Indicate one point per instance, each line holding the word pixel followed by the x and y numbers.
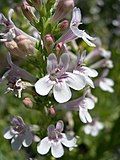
pixel 59 80
pixel 82 104
pixel 74 32
pixel 19 132
pixel 14 76
pixel 55 140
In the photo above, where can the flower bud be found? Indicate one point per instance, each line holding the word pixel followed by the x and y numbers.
pixel 52 111
pixel 63 25
pixel 28 102
pixel 21 46
pixel 28 11
pixel 63 7
pixel 48 42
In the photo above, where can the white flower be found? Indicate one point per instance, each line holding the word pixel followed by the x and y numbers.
pixel 59 80
pixel 106 84
pixel 93 128
pixel 82 104
pixel 85 105
pixel 85 71
pixel 55 140
pixel 19 133
pixel 74 32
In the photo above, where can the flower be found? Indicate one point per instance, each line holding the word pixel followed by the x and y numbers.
pixel 14 39
pixel 93 128
pixel 59 80
pixel 55 140
pixel 15 76
pixel 82 104
pixel 74 32
pixel 19 132
pixel 85 71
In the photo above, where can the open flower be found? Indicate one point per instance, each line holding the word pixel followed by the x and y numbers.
pixel 93 128
pixel 19 132
pixel 55 140
pixel 85 71
pixel 18 79
pixel 82 104
pixel 15 40
pixel 59 80
pixel 74 32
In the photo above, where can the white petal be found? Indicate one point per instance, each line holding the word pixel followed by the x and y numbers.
pixel 87 39
pixel 89 81
pixel 105 87
pixel 68 143
pixel 61 92
pixel 57 150
pixel 99 125
pixel 87 129
pixel 76 17
pixel 94 132
pixel 75 81
pixel 90 104
pixel 28 139
pixel 109 81
pixel 90 72
pixel 43 86
pixel 84 115
pixel 7 133
pixel 44 146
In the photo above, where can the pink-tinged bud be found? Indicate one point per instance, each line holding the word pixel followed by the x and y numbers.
pixel 52 111
pixel 28 11
pixel 64 25
pixel 63 7
pixel 28 102
pixel 48 42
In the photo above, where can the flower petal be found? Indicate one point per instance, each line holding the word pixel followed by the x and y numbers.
pixel 44 146
pixel 57 150
pixel 16 142
pixel 84 115
pixel 61 92
pixel 28 139
pixel 109 81
pixel 89 103
pixel 89 72
pixel 87 129
pixel 7 133
pixel 76 17
pixel 105 87
pixel 77 82
pixel 68 143
pixel 51 62
pixel 64 61
pixel 43 86
pixel 89 81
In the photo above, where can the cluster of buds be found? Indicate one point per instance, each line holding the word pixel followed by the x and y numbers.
pixel 68 78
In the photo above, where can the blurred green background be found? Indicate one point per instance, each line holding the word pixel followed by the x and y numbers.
pixel 101 18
